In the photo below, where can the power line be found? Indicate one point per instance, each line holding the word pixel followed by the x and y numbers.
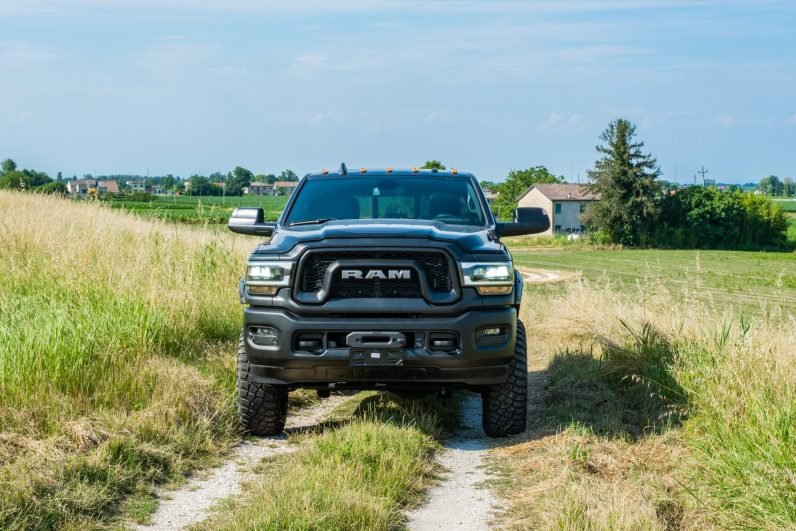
pixel 703 172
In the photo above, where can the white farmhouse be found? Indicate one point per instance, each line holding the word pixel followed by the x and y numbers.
pixel 564 204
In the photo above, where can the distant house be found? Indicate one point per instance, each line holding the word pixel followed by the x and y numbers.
pixel 86 187
pixel 564 204
pixel 257 188
pixel 137 186
pixel 107 187
pixel 159 190
pixel 285 187
pixel 490 195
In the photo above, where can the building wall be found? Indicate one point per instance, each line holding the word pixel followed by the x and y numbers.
pixel 569 218
pixel 535 198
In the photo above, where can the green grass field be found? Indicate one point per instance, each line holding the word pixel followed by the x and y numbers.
pixel 208 209
pixel 788 205
pixel 744 279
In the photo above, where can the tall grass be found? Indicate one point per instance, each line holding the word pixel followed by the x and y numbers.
pixel 682 411
pixel 105 323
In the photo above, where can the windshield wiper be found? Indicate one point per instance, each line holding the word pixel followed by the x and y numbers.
pixel 312 221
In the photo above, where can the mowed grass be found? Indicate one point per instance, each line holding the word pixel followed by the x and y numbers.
pixel 208 209
pixel 653 411
pixel 755 281
pixel 116 371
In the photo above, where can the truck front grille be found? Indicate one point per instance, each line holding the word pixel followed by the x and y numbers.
pixel 433 264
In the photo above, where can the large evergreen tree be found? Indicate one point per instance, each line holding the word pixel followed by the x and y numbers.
pixel 626 180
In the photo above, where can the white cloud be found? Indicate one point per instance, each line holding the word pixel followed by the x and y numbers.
pixel 553 120
pixel 21 53
pixel 727 120
pixel 321 119
pixel 556 120
pixel 314 60
pixel 730 120
pixel 791 120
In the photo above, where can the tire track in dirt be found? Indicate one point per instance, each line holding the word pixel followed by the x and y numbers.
pixel 460 501
pixel 193 501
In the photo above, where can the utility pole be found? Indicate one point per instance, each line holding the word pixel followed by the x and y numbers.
pixel 703 172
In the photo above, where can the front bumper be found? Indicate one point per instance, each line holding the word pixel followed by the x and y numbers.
pixel 469 365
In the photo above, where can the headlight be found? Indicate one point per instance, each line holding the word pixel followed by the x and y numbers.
pixel 265 278
pixel 489 279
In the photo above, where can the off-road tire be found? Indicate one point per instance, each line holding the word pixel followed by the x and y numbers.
pixel 262 408
pixel 505 406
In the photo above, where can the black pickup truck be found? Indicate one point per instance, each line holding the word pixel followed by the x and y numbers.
pixel 383 279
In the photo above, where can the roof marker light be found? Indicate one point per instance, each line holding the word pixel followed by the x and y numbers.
pixel 389 169
pixel 324 172
pixel 454 171
pixel 415 170
pixel 363 170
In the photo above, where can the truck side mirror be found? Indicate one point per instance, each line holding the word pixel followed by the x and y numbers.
pixel 250 221
pixel 527 220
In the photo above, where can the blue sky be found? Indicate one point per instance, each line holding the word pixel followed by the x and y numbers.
pixel 196 86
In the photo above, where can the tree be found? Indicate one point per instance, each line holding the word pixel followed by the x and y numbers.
pixel 60 177
pixel 698 217
pixel 53 187
pixel 789 187
pixel 201 185
pixel 516 184
pixel 771 185
pixel 432 165
pixel 238 179
pixel 626 180
pixel 288 175
pixel 23 180
pixel 8 165
pixel 168 182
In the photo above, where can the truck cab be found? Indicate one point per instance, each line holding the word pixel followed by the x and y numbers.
pixel 383 279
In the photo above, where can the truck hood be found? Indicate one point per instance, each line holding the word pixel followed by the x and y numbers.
pixel 470 239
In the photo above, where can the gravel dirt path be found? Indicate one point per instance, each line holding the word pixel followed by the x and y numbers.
pixel 460 501
pixel 191 503
pixel 545 276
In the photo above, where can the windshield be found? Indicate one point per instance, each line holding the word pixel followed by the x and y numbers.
pixel 446 199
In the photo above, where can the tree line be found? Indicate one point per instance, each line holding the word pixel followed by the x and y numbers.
pixel 217 183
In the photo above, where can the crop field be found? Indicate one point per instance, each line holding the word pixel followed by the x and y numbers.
pixel 749 280
pixel 788 205
pixel 207 209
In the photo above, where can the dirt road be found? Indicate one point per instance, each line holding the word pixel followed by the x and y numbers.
pixel 191 503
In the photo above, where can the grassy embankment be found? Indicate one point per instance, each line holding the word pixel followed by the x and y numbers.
pixel 117 372
pixel 667 396
pixel 198 210
pixel 115 357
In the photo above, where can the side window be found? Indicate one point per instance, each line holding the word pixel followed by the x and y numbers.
pixel 558 208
